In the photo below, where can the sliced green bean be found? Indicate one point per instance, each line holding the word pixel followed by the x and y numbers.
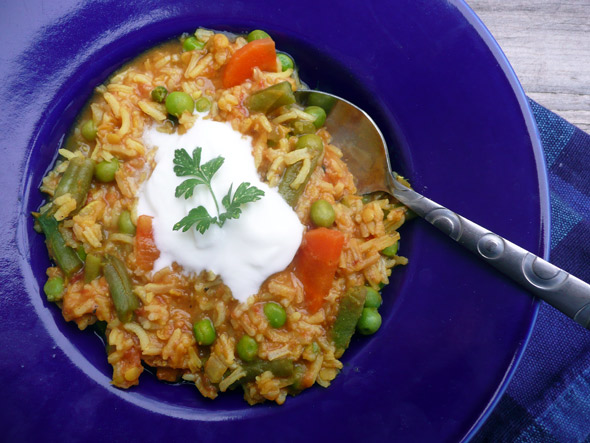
pixel 301 127
pixel 280 368
pixel 271 98
pixel 124 299
pixel 290 194
pixel 326 102
pixel 76 180
pixel 65 256
pixel 81 252
pixel 349 312
pixel 92 267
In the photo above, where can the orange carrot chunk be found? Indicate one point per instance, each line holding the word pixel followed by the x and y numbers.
pixel 258 53
pixel 316 263
pixel 146 252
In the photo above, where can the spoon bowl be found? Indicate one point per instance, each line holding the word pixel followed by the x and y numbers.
pixel 360 139
pixel 366 154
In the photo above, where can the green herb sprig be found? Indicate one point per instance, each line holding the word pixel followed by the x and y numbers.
pixel 184 166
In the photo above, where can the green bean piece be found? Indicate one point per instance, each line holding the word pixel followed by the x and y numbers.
pixel 204 332
pixel 391 251
pixel 159 94
pixel 280 368
pixel 319 115
pixel 247 348
pixel 301 127
pixel 105 171
pixel 373 299
pixel 369 321
pixel 322 213
pixel 124 299
pixel 192 43
pixel 349 312
pixel 92 267
pixel 81 252
pixel 326 102
pixel 299 371
pixel 271 98
pixel 65 256
pixel 275 314
pixel 257 34
pixel 286 61
pixel 203 104
pixel 76 180
pixel 178 102
pixel 88 130
pixel 54 288
pixel 316 147
pixel 125 224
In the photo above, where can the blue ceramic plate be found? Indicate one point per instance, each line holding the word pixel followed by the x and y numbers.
pixel 458 126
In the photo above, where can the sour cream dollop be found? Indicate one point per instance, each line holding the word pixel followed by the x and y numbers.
pixel 245 251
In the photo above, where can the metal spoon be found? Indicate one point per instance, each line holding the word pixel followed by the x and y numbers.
pixel 365 152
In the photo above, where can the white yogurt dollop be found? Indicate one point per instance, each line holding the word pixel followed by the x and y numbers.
pixel 245 251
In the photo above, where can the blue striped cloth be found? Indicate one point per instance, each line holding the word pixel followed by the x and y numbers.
pixel 548 399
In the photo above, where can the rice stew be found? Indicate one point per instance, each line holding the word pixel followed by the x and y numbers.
pixel 211 277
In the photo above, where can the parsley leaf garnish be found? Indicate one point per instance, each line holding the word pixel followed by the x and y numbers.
pixel 184 166
pixel 244 194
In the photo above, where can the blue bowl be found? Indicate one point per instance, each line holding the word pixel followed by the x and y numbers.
pixel 457 124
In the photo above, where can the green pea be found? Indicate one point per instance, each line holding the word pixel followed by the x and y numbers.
pixel 286 61
pixel 88 130
pixel 369 322
pixel 125 224
pixel 373 299
pixel 247 348
pixel 105 171
pixel 203 104
pixel 275 314
pixel 204 332
pixel 159 94
pixel 318 113
pixel 391 251
pixel 312 141
pixel 54 288
pixel 257 34
pixel 192 43
pixel 178 102
pixel 322 213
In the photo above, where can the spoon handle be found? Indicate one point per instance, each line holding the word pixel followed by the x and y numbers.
pixel 560 289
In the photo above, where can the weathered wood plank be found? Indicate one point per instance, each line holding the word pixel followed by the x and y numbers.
pixel 548 44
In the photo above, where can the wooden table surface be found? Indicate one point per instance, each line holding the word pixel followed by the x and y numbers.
pixel 548 45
